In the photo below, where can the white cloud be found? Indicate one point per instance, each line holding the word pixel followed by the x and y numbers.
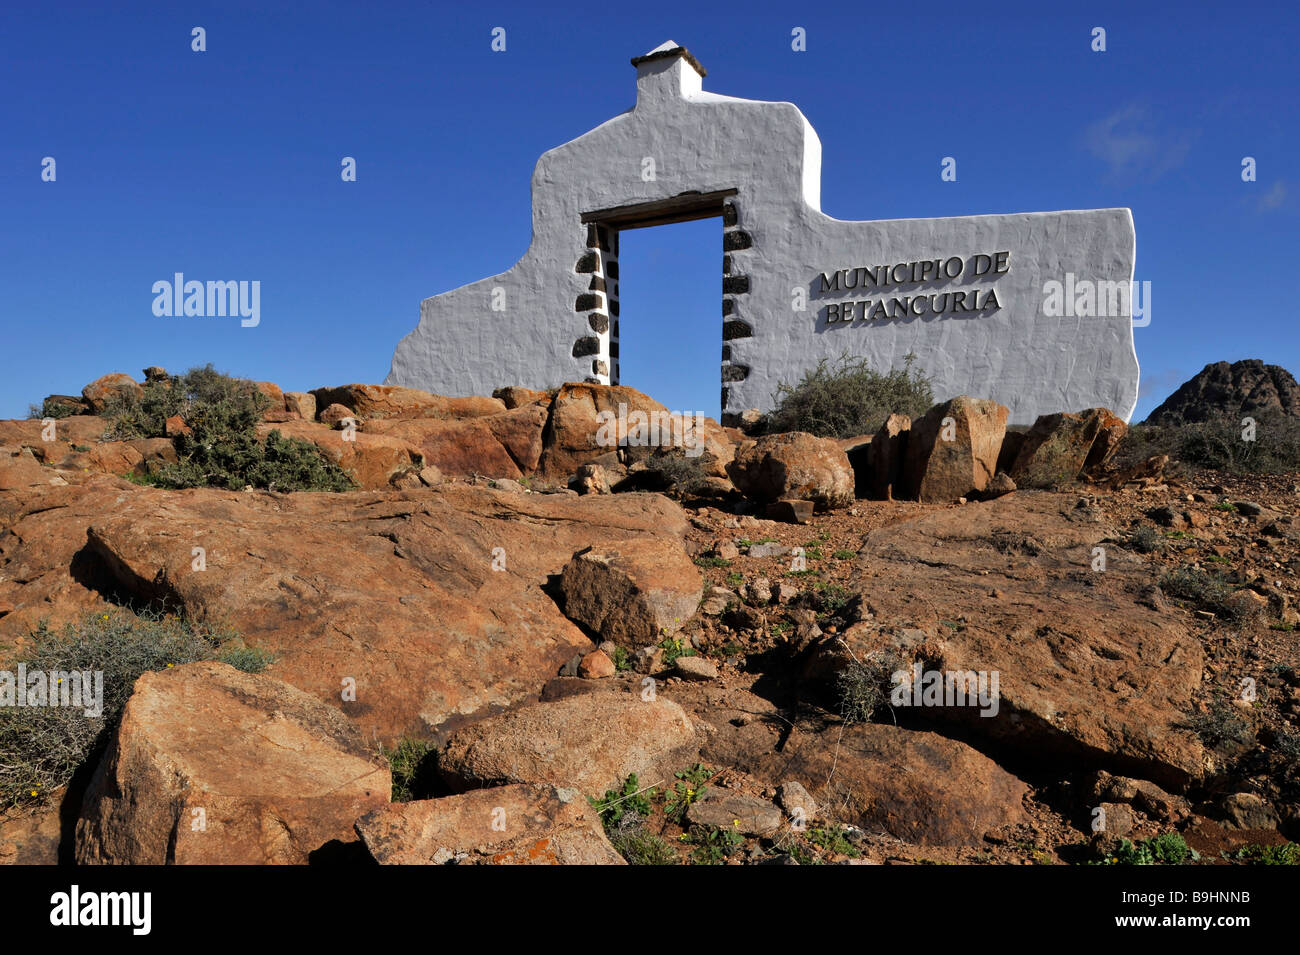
pixel 1274 197
pixel 1130 144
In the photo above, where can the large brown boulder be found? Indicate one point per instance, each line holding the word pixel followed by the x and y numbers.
pixel 634 592
pixel 44 571
pixel 68 404
pixel 1056 449
pixel 19 470
pixel 210 765
pixel 517 396
pixel 917 786
pixel 64 434
pixel 504 445
pixel 1113 430
pixel 505 825
pixel 794 466
pixel 99 392
pixel 574 434
pixel 952 450
pixel 411 610
pixel 885 458
pixel 1010 588
pixel 593 742
pixel 371 460
pixel 128 457
pixel 301 403
pixel 392 401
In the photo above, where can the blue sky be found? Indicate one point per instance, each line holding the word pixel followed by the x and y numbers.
pixel 225 164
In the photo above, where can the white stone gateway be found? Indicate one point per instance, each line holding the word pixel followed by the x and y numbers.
pixel 1032 309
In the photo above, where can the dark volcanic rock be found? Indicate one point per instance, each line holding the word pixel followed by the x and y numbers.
pixel 1223 390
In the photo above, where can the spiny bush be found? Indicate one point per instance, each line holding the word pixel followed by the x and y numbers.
pixel 42 746
pixel 247 659
pixel 1145 539
pixel 1221 728
pixel 222 449
pixel 849 399
pixel 412 767
pixel 50 409
pixel 1202 589
pixel 681 476
pixel 1272 446
pixel 644 848
pixel 863 687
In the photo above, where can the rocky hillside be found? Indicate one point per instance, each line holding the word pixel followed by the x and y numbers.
pixel 513 641
pixel 1221 390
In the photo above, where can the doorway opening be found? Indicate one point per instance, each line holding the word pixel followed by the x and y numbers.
pixel 661 289
pixel 670 332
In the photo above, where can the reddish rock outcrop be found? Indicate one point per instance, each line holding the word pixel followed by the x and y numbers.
pixel 99 392
pixel 1075 687
pixel 213 766
pixel 373 402
pixel 593 742
pixel 427 603
pixel 634 592
pixel 574 429
pixel 1058 446
pixel 917 786
pixel 505 825
pixel 952 451
pixel 503 445
pixel 794 466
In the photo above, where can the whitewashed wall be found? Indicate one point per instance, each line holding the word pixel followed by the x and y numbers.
pixel 699 141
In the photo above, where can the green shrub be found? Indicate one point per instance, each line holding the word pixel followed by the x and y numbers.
pixel 616 803
pixel 247 659
pixel 674 647
pixel 42 746
pixel 689 789
pixel 411 767
pixel 222 449
pixel 1219 444
pixel 1221 728
pixel 833 840
pixel 680 475
pixel 1145 539
pixel 849 399
pixel 50 409
pixel 1202 589
pixel 1288 744
pixel 712 846
pixel 863 688
pixel 831 598
pixel 644 848
pixel 1286 854
pixel 1167 849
